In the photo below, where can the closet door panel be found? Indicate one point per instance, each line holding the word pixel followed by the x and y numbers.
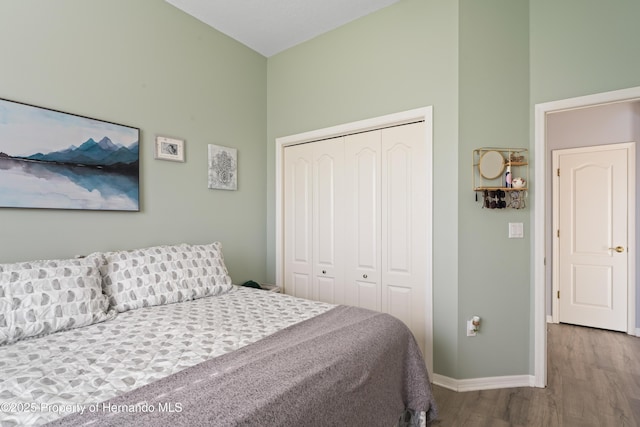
pixel 397 215
pixel 368 295
pixel 403 226
pixel 327 289
pixel 328 218
pixel 363 227
pixel 298 247
pixel 399 302
pixel 301 285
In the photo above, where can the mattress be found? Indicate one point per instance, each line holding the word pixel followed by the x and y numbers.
pixel 46 378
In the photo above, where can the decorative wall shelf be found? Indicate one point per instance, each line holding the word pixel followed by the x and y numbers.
pixel 501 176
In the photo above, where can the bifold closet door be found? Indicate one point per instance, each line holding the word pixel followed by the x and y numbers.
pixel 363 220
pixel 328 220
pixel 298 221
pixel 386 234
pixel 313 221
pixel 404 229
pixel 354 227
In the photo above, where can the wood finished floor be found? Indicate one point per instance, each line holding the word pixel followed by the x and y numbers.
pixel 593 380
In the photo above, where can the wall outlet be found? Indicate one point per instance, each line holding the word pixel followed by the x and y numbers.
pixel 470 331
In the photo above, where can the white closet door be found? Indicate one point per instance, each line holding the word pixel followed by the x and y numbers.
pixel 328 220
pixel 298 244
pixel 362 220
pixel 404 229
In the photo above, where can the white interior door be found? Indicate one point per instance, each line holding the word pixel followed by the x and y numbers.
pixel 592 236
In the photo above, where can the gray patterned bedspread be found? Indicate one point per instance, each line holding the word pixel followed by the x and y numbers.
pixel 42 379
pixel 346 367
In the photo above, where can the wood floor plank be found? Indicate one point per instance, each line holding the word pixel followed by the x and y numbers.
pixel 593 380
pixel 632 387
pixel 635 409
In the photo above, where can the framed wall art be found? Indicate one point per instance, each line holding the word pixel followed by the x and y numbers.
pixel 223 168
pixel 55 160
pixel 169 149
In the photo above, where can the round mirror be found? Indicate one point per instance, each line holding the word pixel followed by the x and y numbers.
pixel 491 165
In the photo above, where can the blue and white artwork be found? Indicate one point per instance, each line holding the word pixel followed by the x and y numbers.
pixel 50 159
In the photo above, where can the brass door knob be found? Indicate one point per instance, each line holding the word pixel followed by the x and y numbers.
pixel 618 249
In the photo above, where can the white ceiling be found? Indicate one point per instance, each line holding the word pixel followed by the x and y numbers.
pixel 271 26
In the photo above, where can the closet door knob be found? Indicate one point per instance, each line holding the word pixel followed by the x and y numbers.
pixel 365 276
pixel 324 271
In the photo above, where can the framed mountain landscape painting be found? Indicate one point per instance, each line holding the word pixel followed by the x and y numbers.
pixel 55 160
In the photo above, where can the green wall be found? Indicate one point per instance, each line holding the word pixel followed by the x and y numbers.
pixel 581 47
pixel 149 65
pixel 494 112
pixel 400 58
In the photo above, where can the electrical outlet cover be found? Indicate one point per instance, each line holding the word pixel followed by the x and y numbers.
pixel 470 332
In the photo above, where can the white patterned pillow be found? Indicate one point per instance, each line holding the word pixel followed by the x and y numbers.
pixel 164 275
pixel 41 297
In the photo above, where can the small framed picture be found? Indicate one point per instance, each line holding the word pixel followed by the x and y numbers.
pixel 169 149
pixel 223 168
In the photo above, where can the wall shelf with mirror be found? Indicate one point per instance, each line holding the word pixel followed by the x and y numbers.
pixel 501 177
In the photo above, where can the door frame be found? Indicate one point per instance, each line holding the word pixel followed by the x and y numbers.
pixel 419 114
pixel 541 229
pixel 631 229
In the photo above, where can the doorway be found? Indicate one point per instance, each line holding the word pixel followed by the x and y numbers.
pixel 542 221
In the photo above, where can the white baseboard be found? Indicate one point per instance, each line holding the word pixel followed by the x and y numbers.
pixel 488 383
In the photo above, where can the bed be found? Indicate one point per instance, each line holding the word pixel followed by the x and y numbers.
pixel 160 336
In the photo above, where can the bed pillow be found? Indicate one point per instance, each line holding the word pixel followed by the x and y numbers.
pixel 163 275
pixel 41 297
pixel 210 257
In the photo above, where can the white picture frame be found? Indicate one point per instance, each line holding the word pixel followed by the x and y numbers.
pixel 223 168
pixel 167 148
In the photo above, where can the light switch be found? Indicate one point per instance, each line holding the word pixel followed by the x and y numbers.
pixel 516 230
